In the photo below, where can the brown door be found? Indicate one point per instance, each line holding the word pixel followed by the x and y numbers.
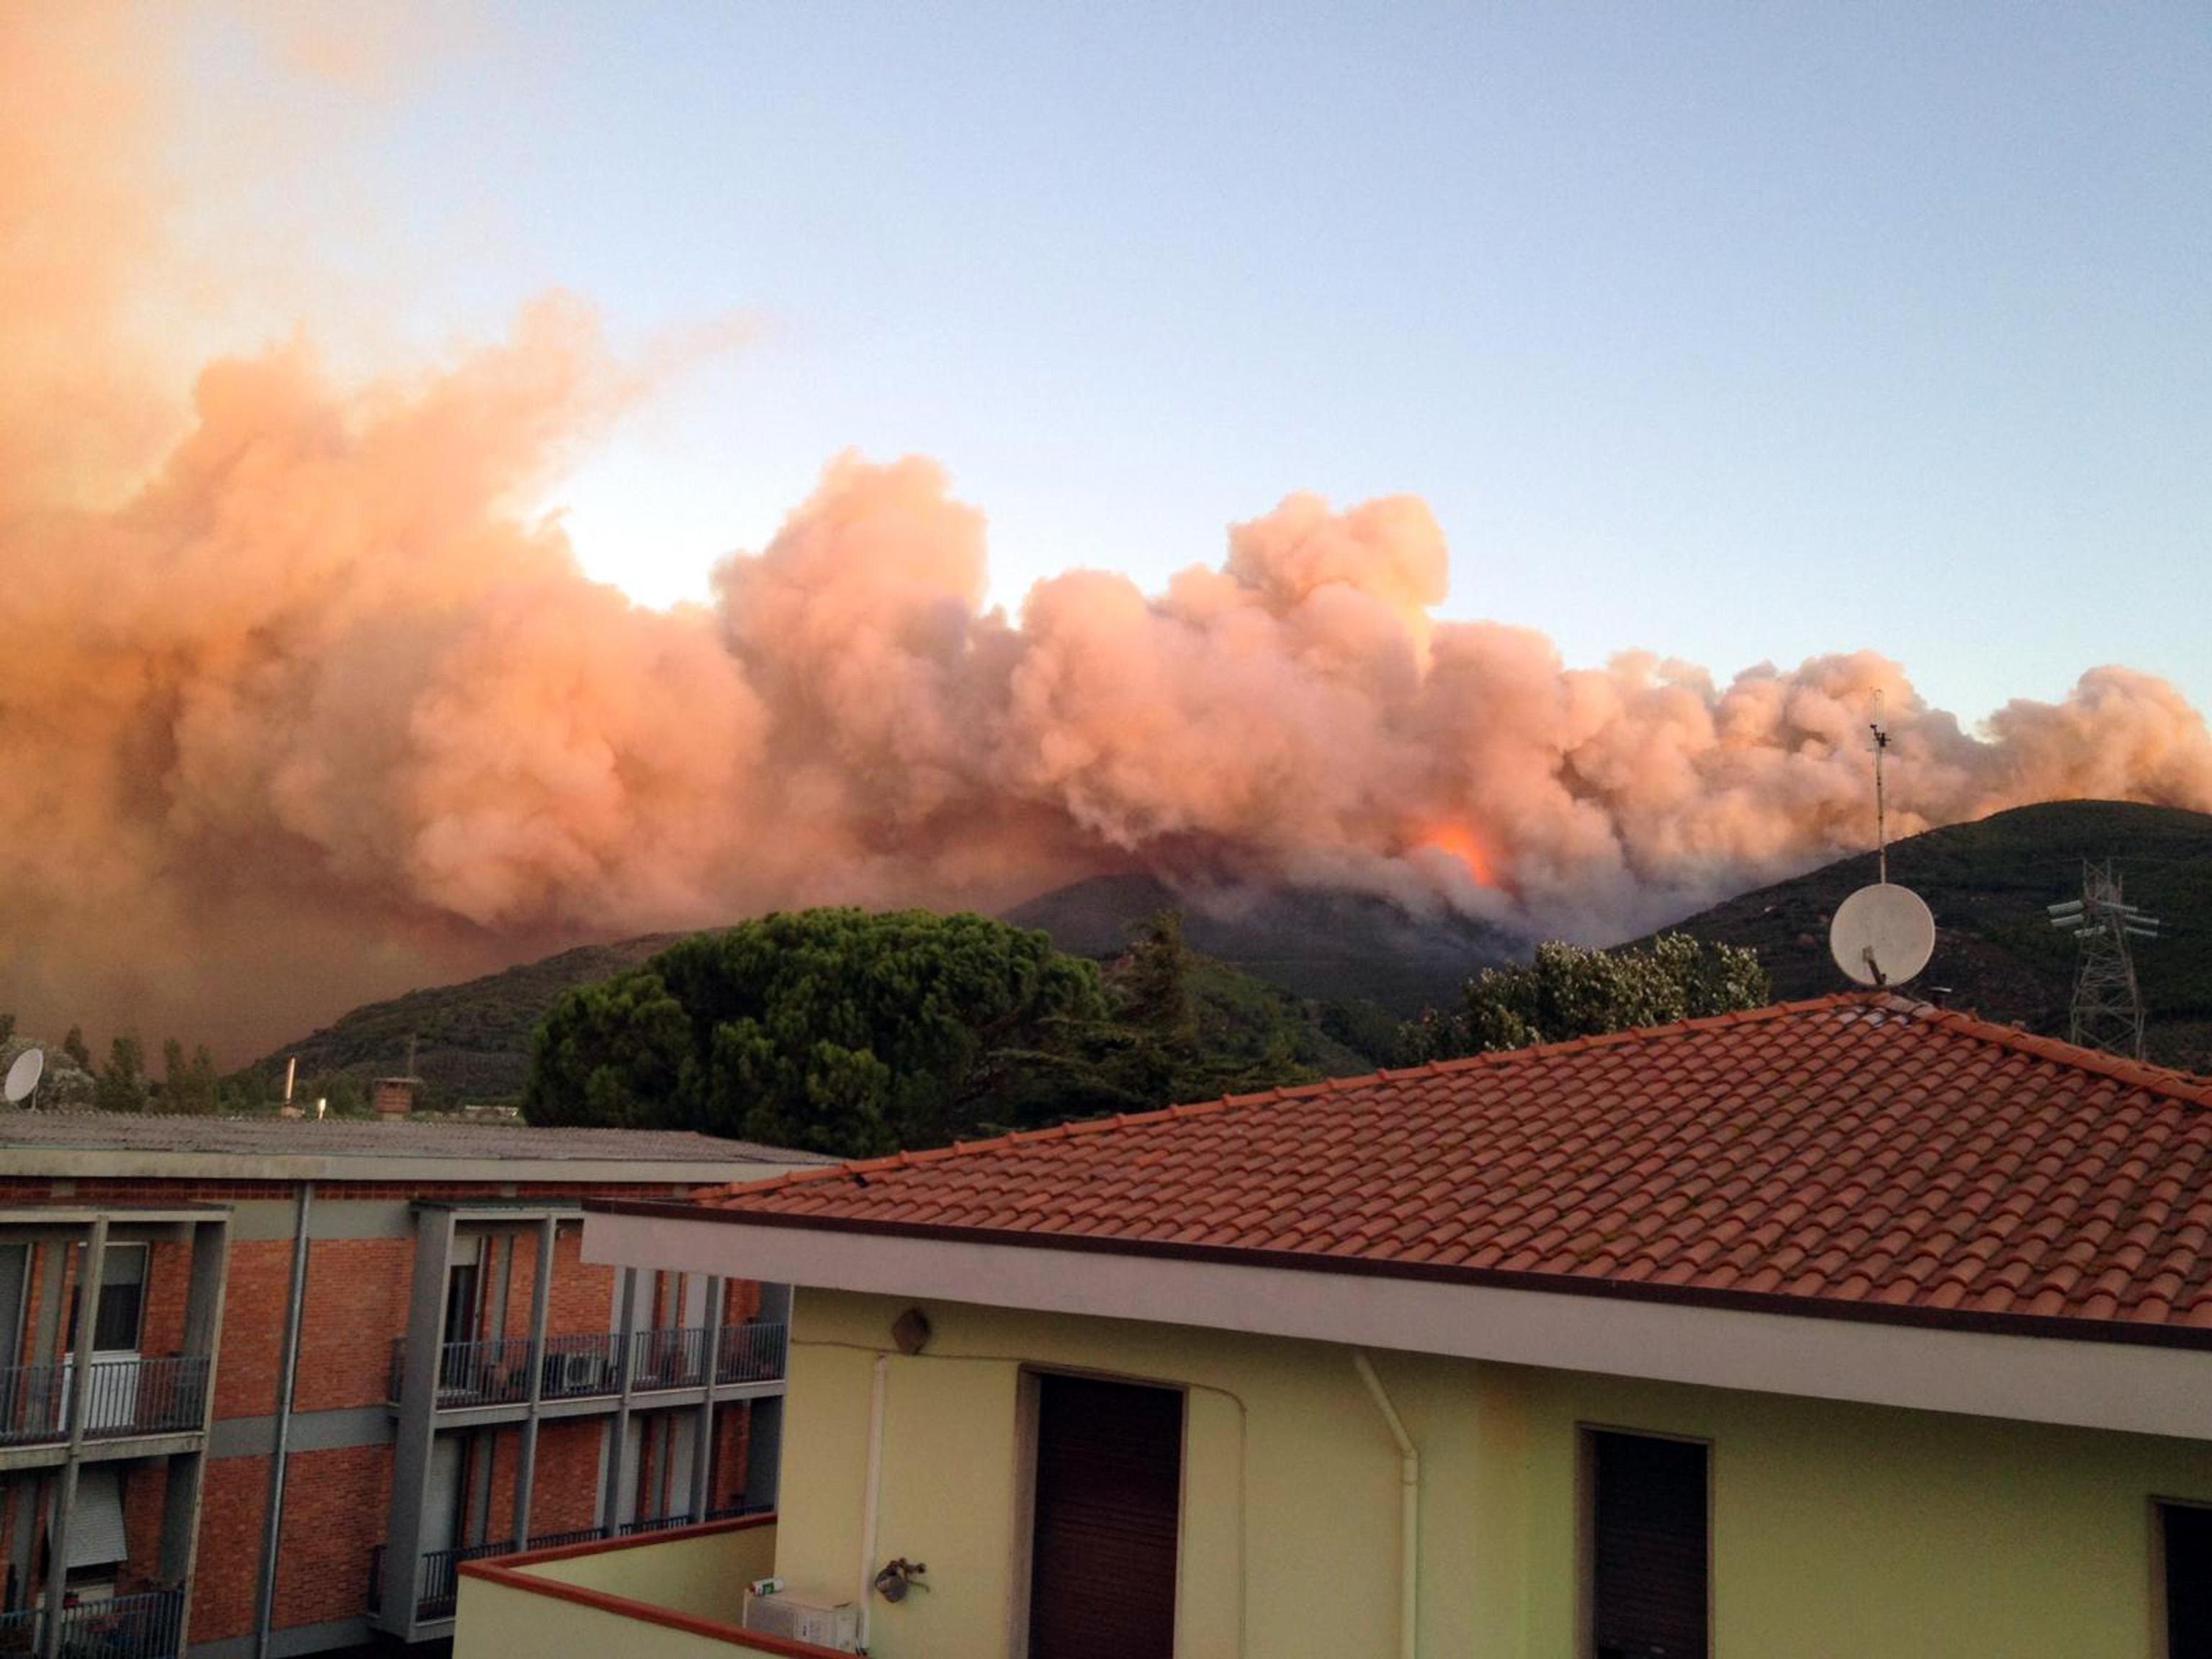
pixel 1108 1491
pixel 1648 1591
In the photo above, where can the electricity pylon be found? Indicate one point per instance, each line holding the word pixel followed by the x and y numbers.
pixel 2107 1011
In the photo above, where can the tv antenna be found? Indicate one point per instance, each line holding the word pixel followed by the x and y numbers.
pixel 23 1076
pixel 1881 935
pixel 1880 726
pixel 2107 1011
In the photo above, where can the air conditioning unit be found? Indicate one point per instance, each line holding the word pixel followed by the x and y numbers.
pixel 580 1373
pixel 837 1627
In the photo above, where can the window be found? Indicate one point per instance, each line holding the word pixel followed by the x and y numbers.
pixel 1648 1581
pixel 461 1302
pixel 2186 1532
pixel 115 1325
pixel 122 1299
pixel 1107 1501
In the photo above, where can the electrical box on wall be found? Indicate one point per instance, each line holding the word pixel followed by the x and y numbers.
pixel 827 1625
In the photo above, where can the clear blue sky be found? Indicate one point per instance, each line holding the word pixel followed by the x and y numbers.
pixel 1733 331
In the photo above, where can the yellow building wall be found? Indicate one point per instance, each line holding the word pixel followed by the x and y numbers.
pixel 1839 1532
pixel 704 1576
pixel 498 1622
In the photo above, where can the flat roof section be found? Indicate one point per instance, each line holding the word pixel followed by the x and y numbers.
pixel 118 1146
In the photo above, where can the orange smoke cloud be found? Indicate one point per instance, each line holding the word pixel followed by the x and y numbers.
pixel 316 711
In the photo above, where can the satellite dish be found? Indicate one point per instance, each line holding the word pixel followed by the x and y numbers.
pixel 1882 934
pixel 23 1076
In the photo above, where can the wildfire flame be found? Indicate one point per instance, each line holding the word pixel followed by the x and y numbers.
pixel 1457 842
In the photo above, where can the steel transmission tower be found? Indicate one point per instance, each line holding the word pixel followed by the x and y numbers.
pixel 2108 1012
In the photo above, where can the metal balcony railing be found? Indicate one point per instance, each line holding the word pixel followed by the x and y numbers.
pixel 577 1367
pixel 33 1406
pixel 146 1396
pixel 142 1626
pixel 675 1359
pixel 496 1371
pixel 437 1580
pixel 752 1354
pixel 19 1631
pixel 160 1395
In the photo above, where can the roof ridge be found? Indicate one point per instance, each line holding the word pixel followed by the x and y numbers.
pixel 2186 1087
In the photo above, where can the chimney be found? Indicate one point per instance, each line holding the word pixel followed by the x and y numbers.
pixel 394 1096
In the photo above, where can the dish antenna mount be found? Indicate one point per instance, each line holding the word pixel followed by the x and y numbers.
pixel 1882 935
pixel 23 1076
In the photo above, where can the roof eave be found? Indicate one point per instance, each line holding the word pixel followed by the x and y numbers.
pixel 2052 1327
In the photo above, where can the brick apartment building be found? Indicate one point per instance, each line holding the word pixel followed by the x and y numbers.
pixel 264 1383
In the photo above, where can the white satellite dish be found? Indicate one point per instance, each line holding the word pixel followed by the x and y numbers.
pixel 1882 934
pixel 23 1076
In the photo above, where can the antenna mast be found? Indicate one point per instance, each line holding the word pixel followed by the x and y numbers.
pixel 1880 727
pixel 2107 1011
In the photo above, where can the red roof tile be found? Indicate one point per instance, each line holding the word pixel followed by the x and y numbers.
pixel 1861 1149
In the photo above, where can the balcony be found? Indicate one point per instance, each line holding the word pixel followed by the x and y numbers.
pixel 123 1396
pixel 595 1365
pixel 670 1592
pixel 144 1626
pixel 437 1574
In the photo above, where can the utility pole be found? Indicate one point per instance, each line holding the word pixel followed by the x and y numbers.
pixel 2107 1011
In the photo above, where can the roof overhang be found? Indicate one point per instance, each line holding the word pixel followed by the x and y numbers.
pixel 2124 1379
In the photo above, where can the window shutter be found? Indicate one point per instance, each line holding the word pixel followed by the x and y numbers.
pixel 1108 1498
pixel 1649 1572
pixel 95 1530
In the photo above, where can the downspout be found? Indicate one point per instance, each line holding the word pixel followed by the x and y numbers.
pixel 875 1492
pixel 1409 1510
pixel 273 1531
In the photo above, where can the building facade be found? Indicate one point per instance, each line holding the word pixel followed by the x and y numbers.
pixel 264 1384
pixel 1850 1326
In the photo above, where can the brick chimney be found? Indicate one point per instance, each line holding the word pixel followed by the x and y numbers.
pixel 394 1096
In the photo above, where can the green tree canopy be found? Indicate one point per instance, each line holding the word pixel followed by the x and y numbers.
pixel 122 1085
pixel 1570 992
pixel 835 1031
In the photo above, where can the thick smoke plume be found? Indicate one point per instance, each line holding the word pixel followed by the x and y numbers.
pixel 311 710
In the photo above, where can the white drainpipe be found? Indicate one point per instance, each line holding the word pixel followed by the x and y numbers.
pixel 1409 1511
pixel 874 1496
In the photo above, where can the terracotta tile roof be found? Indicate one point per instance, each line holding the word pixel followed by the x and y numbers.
pixel 1860 1154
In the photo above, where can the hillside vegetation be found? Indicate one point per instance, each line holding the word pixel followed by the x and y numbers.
pixel 473 1040
pixel 1997 953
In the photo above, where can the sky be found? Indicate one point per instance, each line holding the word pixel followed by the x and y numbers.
pixel 1731 333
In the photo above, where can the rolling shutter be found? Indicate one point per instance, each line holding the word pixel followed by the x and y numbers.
pixel 1109 1493
pixel 1649 1568
pixel 95 1523
pixel 2188 1581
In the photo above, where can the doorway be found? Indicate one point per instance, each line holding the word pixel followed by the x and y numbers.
pixel 1107 1499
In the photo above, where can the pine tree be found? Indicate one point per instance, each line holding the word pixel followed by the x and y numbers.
pixel 122 1086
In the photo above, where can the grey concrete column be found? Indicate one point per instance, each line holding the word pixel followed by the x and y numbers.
pixel 702 1450
pixel 418 1406
pixel 541 1292
pixel 622 1469
pixel 80 1397
pixel 186 1491
pixel 273 1534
